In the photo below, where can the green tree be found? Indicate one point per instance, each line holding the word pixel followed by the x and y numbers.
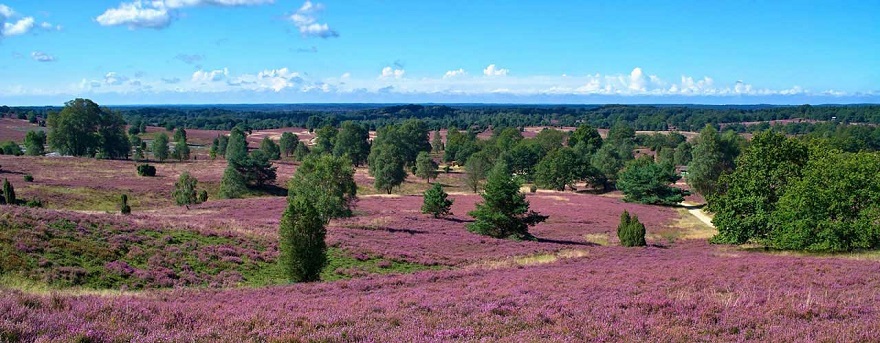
pixel 744 207
pixel 712 155
pixel 682 156
pixel 387 167
pixel 413 139
pixel 834 207
pixel 437 142
pixel 257 170
pixel 607 162
pixel 8 193
pixel 236 148
pixel 268 147
pixel 113 143
pixel 426 168
pixel 326 139
pixel 504 211
pixel 621 133
pixel 560 168
pixel 522 158
pixel 352 141
pixel 181 150
pixel 506 138
pixel 179 135
pixel 185 190
pixel 588 136
pixel 435 202
pixel 328 182
pixel 302 247
pixel 138 144
pixel 647 182
pixel 35 143
pixel 476 170
pixel 301 152
pixel 160 146
pixel 288 143
pixel 232 185
pixel 123 205
pixel 549 140
pixel 459 146
pixel 74 130
pixel 10 148
pixel 222 145
pixel 631 231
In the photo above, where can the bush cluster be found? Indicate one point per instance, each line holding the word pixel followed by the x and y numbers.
pixel 631 231
pixel 146 170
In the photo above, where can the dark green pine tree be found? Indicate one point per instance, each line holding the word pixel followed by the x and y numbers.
pixel 8 193
pixel 504 212
pixel 303 251
pixel 436 202
pixel 631 231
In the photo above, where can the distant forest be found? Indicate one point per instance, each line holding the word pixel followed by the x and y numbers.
pixel 742 118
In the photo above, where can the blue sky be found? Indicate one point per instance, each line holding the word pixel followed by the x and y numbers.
pixel 280 51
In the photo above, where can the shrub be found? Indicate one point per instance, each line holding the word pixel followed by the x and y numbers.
pixel 123 205
pixel 232 185
pixel 8 192
pixel 34 203
pixel 28 178
pixel 302 249
pixel 185 190
pixel 435 202
pixel 504 212
pixel 203 196
pixel 631 231
pixel 146 170
pixel 533 188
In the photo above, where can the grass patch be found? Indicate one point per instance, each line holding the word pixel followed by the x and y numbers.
pixel 340 266
pixel 598 239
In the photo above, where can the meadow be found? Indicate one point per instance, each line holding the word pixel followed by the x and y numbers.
pixel 76 270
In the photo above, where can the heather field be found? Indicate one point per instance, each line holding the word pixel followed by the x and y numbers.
pixel 78 271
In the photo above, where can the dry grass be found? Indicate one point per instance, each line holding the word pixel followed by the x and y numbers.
pixel 531 260
pixel 598 239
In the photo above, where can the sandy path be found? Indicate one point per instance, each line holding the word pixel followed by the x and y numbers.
pixel 696 211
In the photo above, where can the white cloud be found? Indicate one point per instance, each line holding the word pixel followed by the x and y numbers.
pixel 278 79
pixel 454 73
pixel 20 27
pixel 6 12
pixel 114 79
pixel 637 80
pixel 305 19
pixel 40 56
pixel 392 73
pixel 158 14
pixel 492 70
pixel 210 76
pixel 138 14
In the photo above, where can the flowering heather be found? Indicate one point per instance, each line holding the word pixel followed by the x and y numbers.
pixel 92 184
pixel 691 292
pixel 16 129
pixel 101 251
pixel 393 227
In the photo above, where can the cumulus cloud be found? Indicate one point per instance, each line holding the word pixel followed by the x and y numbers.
pixel 392 73
pixel 637 80
pixel 454 73
pixel 114 79
pixel 493 70
pixel 6 12
pixel 306 20
pixel 158 14
pixel 40 56
pixel 210 76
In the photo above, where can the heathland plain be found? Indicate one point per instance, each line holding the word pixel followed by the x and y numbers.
pixel 75 269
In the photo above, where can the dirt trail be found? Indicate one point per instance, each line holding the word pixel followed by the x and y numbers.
pixel 696 211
